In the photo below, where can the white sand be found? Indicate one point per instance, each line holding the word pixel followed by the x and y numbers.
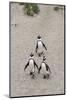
pixel 50 25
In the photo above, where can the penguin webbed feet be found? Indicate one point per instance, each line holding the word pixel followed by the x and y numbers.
pixel 32 75
pixel 46 76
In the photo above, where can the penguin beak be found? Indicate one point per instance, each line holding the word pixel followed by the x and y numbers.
pixel 44 59
pixel 39 37
pixel 31 55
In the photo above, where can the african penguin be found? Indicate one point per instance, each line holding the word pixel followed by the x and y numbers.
pixel 44 69
pixel 39 46
pixel 31 63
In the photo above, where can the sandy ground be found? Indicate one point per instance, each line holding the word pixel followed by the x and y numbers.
pixel 50 25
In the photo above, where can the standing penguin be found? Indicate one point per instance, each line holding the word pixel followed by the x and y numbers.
pixel 31 63
pixel 39 46
pixel 44 69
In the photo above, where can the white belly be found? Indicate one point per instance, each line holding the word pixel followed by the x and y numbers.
pixel 43 70
pixel 43 67
pixel 31 65
pixel 40 47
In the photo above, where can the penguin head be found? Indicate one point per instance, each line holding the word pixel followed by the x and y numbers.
pixel 38 37
pixel 44 58
pixel 31 55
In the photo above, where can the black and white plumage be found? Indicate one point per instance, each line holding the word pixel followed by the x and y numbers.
pixel 40 46
pixel 44 69
pixel 32 64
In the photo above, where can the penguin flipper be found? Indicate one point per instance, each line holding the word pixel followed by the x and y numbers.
pixel 26 66
pixel 35 64
pixel 36 47
pixel 44 46
pixel 39 70
pixel 48 68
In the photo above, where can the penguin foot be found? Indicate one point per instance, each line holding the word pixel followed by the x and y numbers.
pixel 47 76
pixel 31 73
pixel 44 77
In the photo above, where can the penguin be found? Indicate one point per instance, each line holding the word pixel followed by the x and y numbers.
pixel 44 69
pixel 39 46
pixel 31 63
